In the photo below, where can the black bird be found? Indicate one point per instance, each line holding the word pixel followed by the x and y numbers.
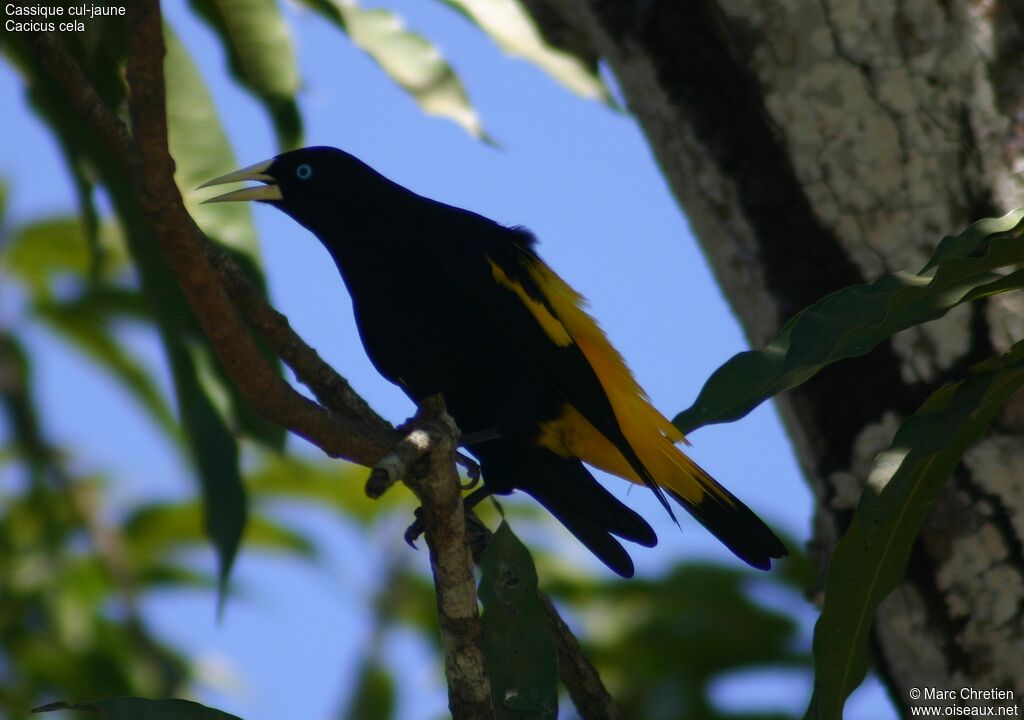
pixel 450 302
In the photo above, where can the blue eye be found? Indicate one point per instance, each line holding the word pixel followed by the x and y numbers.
pixel 303 172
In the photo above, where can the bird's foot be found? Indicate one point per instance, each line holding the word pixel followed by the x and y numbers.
pixel 413 532
pixel 472 467
pixel 476 531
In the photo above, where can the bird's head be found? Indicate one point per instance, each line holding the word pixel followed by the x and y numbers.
pixel 311 184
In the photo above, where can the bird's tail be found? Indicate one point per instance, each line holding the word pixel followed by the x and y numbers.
pixel 712 505
pixel 652 439
pixel 649 434
pixel 568 491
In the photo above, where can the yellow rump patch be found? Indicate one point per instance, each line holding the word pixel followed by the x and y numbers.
pixel 572 435
pixel 651 435
pixel 551 325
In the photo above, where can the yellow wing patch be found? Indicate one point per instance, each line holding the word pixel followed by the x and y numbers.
pixel 651 435
pixel 628 399
pixel 551 325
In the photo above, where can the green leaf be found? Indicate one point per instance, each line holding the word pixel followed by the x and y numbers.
pixel 212 445
pixel 17 403
pixel 246 419
pixel 133 708
pixel 169 575
pixel 410 599
pixel 85 321
pixel 663 641
pixel 44 249
pixel 260 56
pixel 872 555
pixel 408 58
pixel 47 247
pixel 201 151
pixel 515 32
pixel 518 648
pixel 374 697
pixel 99 51
pixel 153 531
pixel 332 484
pixel 4 192
pixel 215 452
pixel 330 9
pixel 210 440
pixel 852 321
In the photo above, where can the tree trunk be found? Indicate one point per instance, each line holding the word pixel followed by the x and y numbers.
pixel 814 145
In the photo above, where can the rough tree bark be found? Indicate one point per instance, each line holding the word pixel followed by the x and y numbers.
pixel 813 145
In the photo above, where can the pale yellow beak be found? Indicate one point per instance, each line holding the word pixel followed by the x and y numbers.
pixel 258 173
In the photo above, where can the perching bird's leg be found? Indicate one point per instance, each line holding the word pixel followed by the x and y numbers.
pixel 472 468
pixel 478 535
pixel 413 532
pixel 474 528
pixel 474 498
pixel 469 440
pixel 479 436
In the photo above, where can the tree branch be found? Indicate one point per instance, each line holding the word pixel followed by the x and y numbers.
pixel 444 527
pixel 80 93
pixel 213 285
pixel 343 425
pixel 331 389
pixel 398 463
pixel 578 675
pixel 184 249
pixel 352 430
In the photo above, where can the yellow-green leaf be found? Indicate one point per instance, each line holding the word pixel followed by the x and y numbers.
pixel 85 321
pixel 133 708
pixel 407 57
pixel 515 32
pixel 260 56
pixel 53 246
pixel 201 151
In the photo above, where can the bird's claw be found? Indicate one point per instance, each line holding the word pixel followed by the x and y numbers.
pixel 476 531
pixel 415 530
pixel 472 471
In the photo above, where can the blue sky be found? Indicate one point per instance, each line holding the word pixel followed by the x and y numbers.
pixel 581 177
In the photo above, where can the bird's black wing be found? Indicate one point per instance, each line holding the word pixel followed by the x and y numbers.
pixel 492 265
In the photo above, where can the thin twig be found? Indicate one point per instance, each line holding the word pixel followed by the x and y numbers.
pixel 578 675
pixel 398 463
pixel 331 389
